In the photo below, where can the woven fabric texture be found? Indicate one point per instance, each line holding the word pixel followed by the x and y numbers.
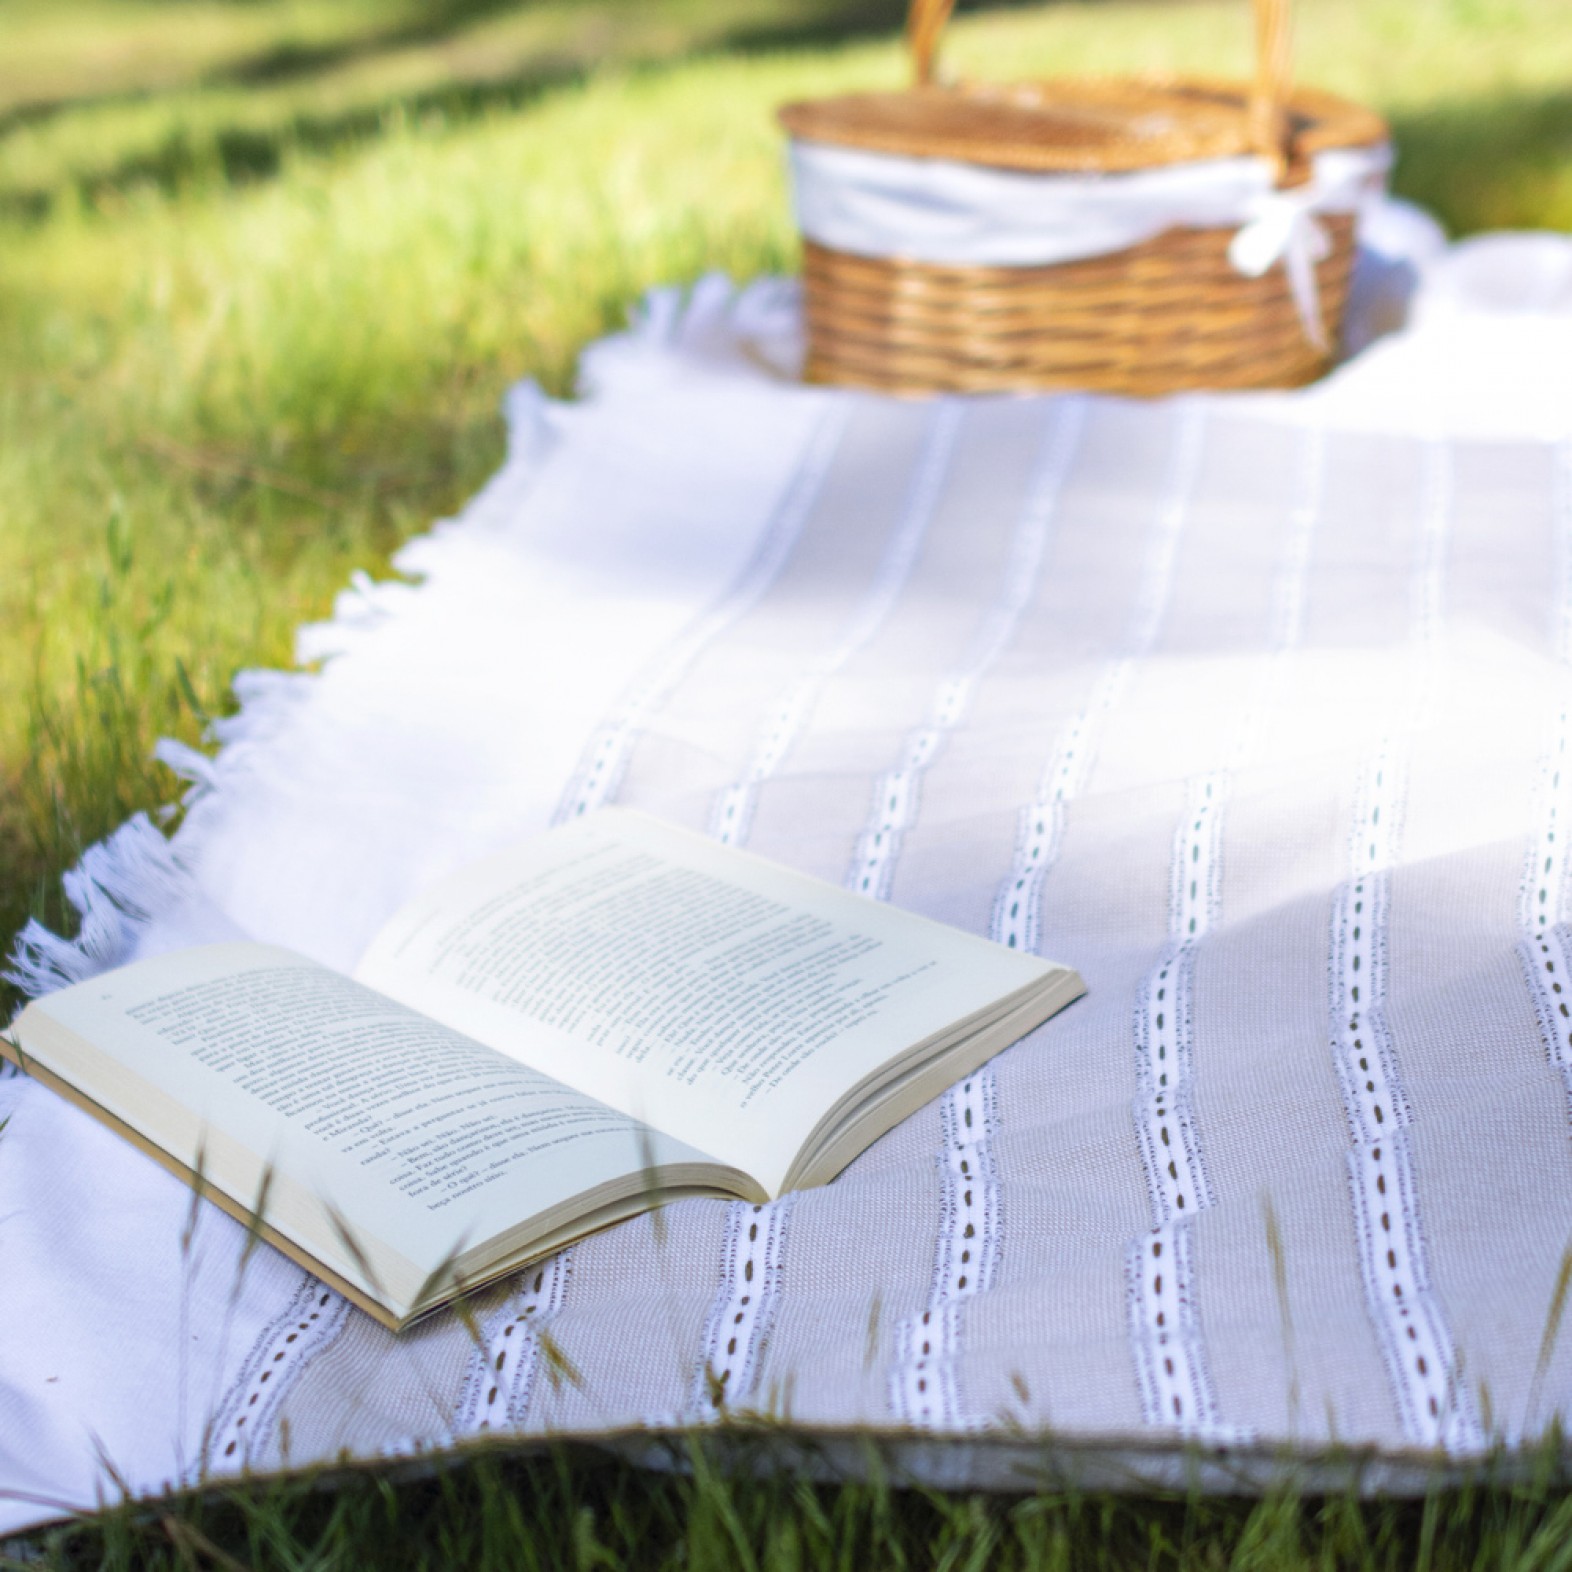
pixel 1257 716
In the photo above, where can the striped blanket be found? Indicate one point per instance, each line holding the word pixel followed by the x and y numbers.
pixel 1255 710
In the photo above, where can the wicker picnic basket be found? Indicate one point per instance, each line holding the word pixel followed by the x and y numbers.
pixel 1174 310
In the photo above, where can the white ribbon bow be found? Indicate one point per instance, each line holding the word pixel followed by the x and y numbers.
pixel 1282 227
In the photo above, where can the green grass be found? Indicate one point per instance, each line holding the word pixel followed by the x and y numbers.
pixel 266 267
pixel 577 1508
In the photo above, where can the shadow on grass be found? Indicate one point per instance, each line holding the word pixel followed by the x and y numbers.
pixel 567 1505
pixel 1478 163
pixel 238 155
pixel 1483 164
pixel 283 62
pixel 825 21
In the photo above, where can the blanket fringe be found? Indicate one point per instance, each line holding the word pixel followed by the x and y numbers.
pixel 117 888
pixel 715 320
pixel 133 876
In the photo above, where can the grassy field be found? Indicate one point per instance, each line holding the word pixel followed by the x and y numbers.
pixel 582 1511
pixel 266 267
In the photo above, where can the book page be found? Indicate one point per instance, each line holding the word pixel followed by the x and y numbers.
pixel 723 999
pixel 245 1060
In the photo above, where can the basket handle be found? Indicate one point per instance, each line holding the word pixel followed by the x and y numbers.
pixel 1268 126
pixel 925 21
pixel 1267 121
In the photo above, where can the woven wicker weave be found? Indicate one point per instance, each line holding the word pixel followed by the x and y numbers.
pixel 1170 313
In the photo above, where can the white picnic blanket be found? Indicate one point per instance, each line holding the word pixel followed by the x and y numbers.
pixel 1254 709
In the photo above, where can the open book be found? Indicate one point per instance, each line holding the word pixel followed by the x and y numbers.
pixel 611 1016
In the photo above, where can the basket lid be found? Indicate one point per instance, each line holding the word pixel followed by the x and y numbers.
pixel 1076 124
